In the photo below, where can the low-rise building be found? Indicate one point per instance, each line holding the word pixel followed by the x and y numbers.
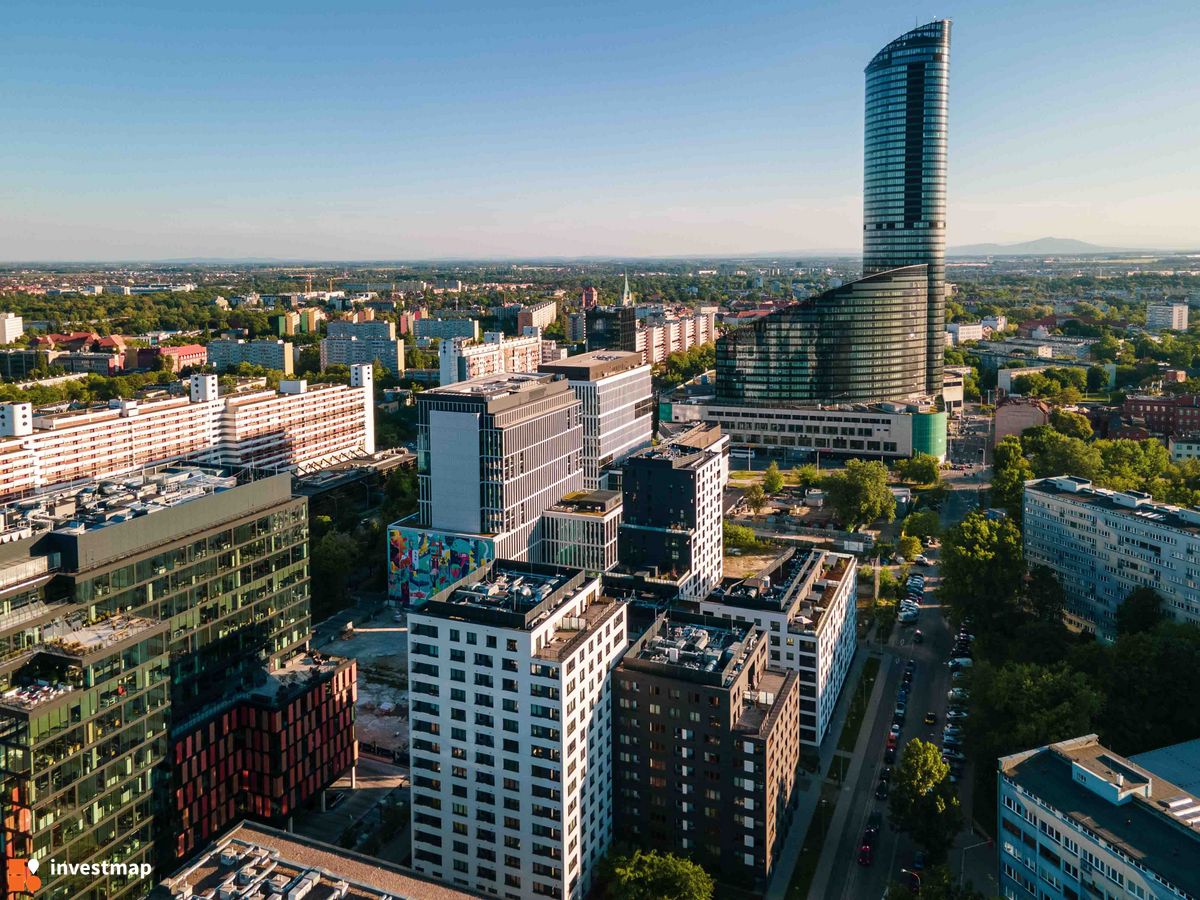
pixel 805 602
pixel 1184 446
pixel 1103 545
pixel 1079 820
pixel 1167 413
pixel 252 861
pixel 1015 414
pixel 706 745
pixel 963 332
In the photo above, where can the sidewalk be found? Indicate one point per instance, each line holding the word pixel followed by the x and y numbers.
pixel 809 794
pixel 825 866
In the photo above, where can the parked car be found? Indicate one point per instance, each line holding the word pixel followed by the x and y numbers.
pixel 895 731
pixel 901 707
pixel 956 715
pixel 958 694
pixel 918 637
pixel 953 754
pixel 920 858
pixel 889 755
pixel 923 560
pixel 960 662
pixel 951 741
pixel 881 790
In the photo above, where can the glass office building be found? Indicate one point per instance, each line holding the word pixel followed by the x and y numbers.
pixel 861 342
pixel 904 190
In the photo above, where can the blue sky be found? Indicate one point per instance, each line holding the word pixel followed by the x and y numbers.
pixel 448 128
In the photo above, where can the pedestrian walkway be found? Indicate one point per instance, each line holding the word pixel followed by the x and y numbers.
pixel 825 866
pixel 809 794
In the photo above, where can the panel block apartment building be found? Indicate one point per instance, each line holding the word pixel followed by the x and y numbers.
pixel 156 684
pixel 298 428
pixel 1102 545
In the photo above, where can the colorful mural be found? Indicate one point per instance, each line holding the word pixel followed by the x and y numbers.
pixel 423 562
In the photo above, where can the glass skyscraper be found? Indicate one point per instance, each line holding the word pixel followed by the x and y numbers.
pixel 904 192
pixel 859 343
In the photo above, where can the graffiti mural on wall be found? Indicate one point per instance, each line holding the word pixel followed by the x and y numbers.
pixel 423 562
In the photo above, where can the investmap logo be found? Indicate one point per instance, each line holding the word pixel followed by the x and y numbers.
pixel 21 875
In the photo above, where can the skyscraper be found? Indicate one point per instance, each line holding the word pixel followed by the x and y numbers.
pixel 904 178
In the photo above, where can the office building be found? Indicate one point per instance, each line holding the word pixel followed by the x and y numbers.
pixel 11 328
pixel 224 354
pixel 1167 317
pixel 577 327
pixel 706 745
pixel 354 343
pixel 580 531
pixel 904 175
pixel 493 454
pixel 252 861
pixel 1077 820
pixel 863 342
pixel 537 315
pixel 20 365
pixel 672 498
pixel 443 329
pixel 164 616
pixel 461 359
pixel 1102 545
pixel 618 406
pixel 510 710
pixel 805 602
pixel 964 332
pixel 295 429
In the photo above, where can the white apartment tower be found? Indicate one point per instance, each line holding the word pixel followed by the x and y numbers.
pixel 618 406
pixel 461 359
pixel 11 328
pixel 1102 545
pixel 509 674
pixel 1167 317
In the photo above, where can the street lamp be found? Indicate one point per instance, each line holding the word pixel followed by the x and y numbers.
pixel 914 875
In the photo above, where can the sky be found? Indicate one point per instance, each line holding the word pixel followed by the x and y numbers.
pixel 531 128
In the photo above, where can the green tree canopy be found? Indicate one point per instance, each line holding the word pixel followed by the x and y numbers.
pixel 772 479
pixel 982 567
pixel 756 497
pixel 921 468
pixel 909 547
pixel 859 494
pixel 806 475
pixel 923 802
pixel 654 876
pixel 1071 424
pixel 1010 471
pixel 1141 611
pixel 924 523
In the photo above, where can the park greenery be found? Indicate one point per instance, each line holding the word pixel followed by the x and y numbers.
pixel 772 479
pixel 920 468
pixel 742 539
pixel 685 365
pixel 859 494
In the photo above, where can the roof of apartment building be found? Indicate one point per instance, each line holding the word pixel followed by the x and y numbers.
pixel 594 365
pixel 1150 820
pixel 698 648
pixel 803 583
pixel 253 860
pixel 1130 503
pixel 588 503
pixel 500 392
pixel 686 450
pixel 1177 763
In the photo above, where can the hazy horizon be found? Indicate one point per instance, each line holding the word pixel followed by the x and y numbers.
pixel 396 131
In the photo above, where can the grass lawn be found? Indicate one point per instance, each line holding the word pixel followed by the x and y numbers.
pixel 814 840
pixel 858 705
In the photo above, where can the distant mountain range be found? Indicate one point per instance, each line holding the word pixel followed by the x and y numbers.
pixel 1040 247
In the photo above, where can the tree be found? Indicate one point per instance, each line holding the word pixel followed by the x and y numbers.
pixel 1097 379
pixel 924 523
pixel 1060 455
pixel 921 468
pixel 922 800
pixel 909 547
pixel 1141 612
pixel 1044 597
pixel 1009 473
pixel 739 537
pixel 982 568
pixel 1071 424
pixel 806 475
pixel 772 479
pixel 937 883
pixel 756 498
pixel 334 555
pixel 859 494
pixel 654 876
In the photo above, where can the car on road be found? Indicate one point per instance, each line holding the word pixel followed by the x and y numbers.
pixel 930 718
pixel 889 755
pixel 923 560
pixel 895 732
pixel 901 707
pixel 881 790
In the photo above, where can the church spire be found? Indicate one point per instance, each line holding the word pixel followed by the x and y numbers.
pixel 626 295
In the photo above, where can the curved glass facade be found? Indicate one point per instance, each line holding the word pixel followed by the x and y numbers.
pixel 904 190
pixel 861 342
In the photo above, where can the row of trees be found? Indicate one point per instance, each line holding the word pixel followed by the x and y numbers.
pixel 685 365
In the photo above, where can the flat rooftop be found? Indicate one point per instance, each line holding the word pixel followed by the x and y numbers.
pixel 1156 823
pixel 1178 764
pixel 598 503
pixel 254 861
pixel 687 449
pixel 1128 503
pixel 594 365
pixel 490 386
pixel 508 594
pixel 802 583
pixel 700 647
pixel 108 501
